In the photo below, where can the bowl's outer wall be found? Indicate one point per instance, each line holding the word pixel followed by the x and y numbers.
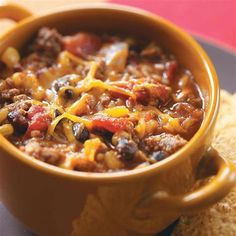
pixel 46 203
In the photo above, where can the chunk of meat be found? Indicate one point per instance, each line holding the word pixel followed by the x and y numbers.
pixel 147 93
pixel 184 109
pixel 171 68
pixel 82 44
pixel 159 91
pixel 167 143
pixel 86 165
pixel 35 62
pixel 18 116
pixel 48 42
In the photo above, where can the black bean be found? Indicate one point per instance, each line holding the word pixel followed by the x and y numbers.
pixel 68 94
pixel 18 68
pixel 56 87
pixel 18 121
pixel 57 113
pixel 158 156
pixel 80 132
pixel 135 47
pixel 61 82
pixel 127 149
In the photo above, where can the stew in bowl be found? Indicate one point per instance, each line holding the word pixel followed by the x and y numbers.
pixel 97 103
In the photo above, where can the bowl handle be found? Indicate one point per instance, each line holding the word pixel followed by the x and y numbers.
pixel 13 12
pixel 221 183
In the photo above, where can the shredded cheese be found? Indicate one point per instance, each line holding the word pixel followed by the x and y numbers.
pixel 73 118
pixel 78 106
pixel 67 128
pixel 90 82
pixel 119 111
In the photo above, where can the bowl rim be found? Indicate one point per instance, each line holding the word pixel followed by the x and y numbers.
pixel 180 155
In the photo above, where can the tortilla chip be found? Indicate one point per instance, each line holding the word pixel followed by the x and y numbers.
pixel 219 220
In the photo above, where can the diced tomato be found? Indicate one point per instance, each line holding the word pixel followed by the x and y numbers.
pixel 82 44
pixel 111 124
pixel 35 109
pixel 39 119
pixel 40 122
pixel 149 116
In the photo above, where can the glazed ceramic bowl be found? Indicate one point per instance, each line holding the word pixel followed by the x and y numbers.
pixel 53 201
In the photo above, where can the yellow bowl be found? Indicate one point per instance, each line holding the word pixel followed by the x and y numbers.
pixel 53 201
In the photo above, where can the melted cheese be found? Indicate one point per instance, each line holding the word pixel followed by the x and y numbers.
pixel 78 106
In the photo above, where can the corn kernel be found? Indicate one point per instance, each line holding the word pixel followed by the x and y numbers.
pixel 6 130
pixel 63 59
pixel 112 161
pixel 10 57
pixel 38 93
pixel 17 79
pixel 141 128
pixel 3 114
pixel 31 81
pixel 90 148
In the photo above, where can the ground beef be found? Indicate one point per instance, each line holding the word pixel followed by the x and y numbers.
pixel 20 97
pixel 47 42
pixel 86 165
pixel 154 95
pixel 50 155
pixel 167 143
pixel 7 95
pixel 53 155
pixel 35 62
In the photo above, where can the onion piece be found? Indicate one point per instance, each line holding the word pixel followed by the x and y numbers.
pixel 116 56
